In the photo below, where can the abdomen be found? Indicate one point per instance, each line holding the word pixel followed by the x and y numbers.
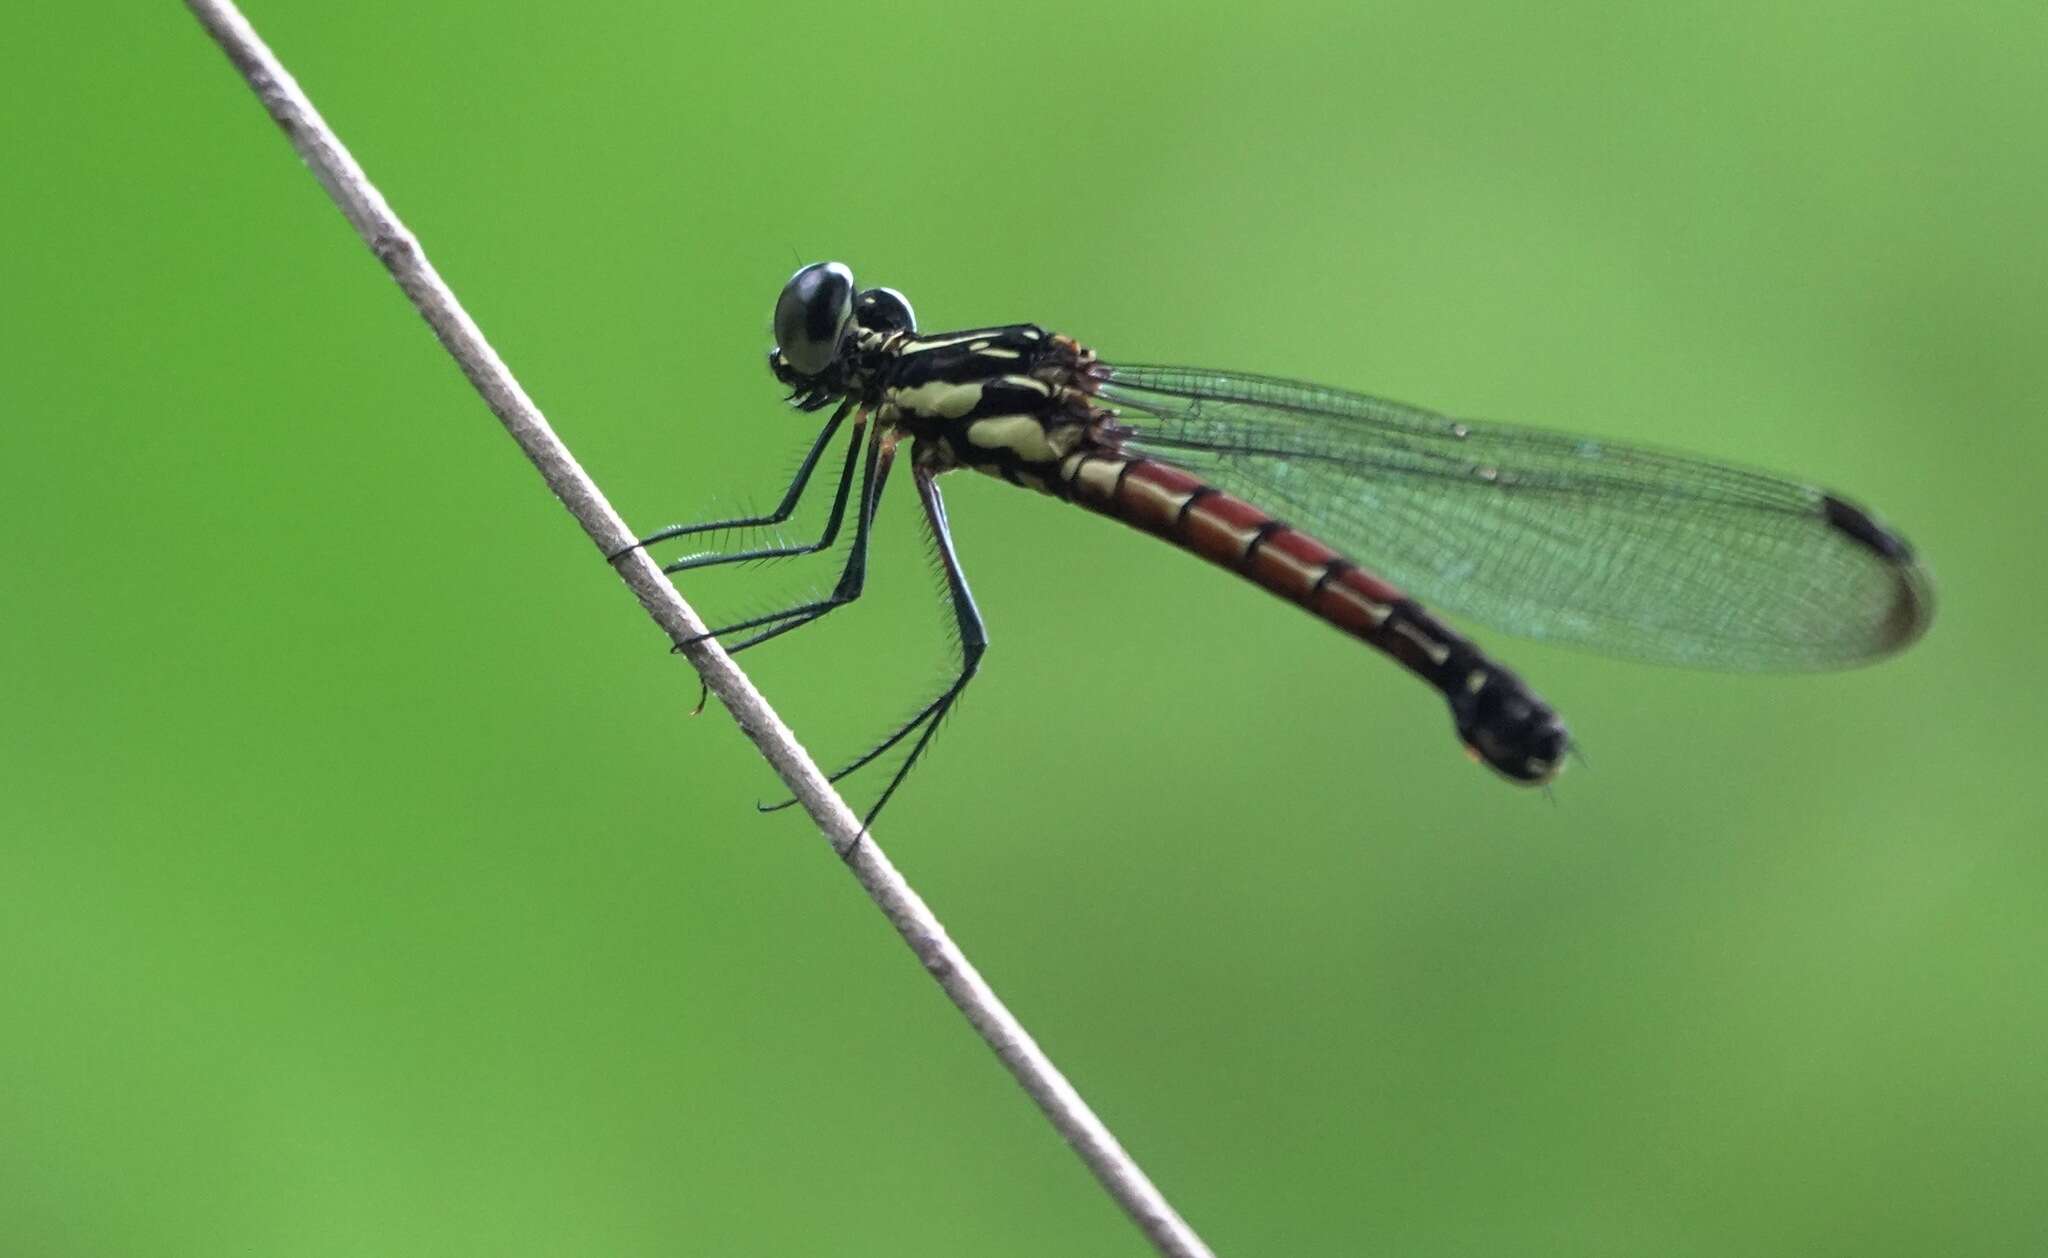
pixel 1499 719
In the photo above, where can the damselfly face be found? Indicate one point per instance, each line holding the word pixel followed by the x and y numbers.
pixel 819 324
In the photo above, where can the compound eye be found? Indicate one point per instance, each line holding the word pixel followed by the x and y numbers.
pixel 885 310
pixel 813 313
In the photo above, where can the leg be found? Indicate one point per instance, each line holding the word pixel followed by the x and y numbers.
pixel 782 510
pixel 852 580
pixel 833 517
pixel 973 642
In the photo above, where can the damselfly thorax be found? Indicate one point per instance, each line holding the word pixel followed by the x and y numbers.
pixel 1014 402
pixel 1629 550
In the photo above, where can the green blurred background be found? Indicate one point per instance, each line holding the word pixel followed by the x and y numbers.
pixel 368 889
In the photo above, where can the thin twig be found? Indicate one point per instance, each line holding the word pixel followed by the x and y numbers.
pixel 389 239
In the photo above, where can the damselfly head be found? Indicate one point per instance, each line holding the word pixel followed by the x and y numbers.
pixel 820 321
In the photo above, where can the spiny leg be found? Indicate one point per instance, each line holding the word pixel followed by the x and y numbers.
pixel 782 510
pixel 852 579
pixel 973 643
pixel 833 517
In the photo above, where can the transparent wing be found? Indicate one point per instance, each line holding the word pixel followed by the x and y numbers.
pixel 1543 534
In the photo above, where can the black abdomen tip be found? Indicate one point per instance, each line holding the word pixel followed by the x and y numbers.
pixel 1517 734
pixel 1856 523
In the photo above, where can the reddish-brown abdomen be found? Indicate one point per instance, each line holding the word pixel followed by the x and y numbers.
pixel 1495 714
pixel 1234 534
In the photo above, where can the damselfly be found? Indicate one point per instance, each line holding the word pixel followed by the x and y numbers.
pixel 1627 550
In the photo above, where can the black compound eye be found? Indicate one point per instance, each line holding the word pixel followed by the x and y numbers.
pixel 885 310
pixel 813 313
